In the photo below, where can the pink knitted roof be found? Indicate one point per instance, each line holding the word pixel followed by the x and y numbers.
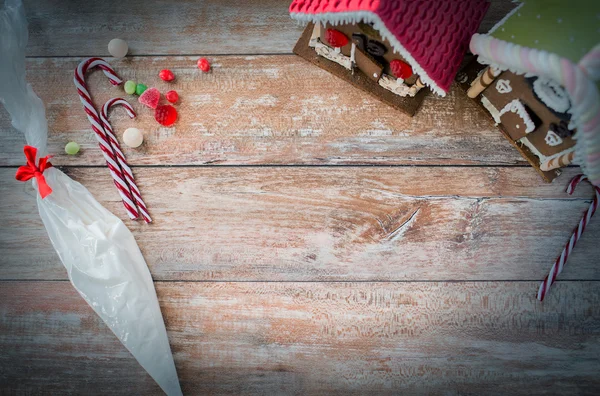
pixel 432 36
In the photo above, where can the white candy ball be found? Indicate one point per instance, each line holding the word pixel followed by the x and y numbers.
pixel 133 137
pixel 118 48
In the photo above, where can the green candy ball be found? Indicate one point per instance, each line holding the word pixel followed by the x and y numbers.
pixel 130 87
pixel 72 148
pixel 140 88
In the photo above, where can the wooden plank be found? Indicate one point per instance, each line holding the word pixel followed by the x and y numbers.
pixel 306 224
pixel 260 110
pixel 315 338
pixel 174 27
pixel 150 27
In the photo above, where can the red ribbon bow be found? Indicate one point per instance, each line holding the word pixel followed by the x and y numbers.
pixel 28 171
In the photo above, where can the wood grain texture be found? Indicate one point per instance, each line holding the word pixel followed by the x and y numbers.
pixel 78 28
pixel 315 338
pixel 260 110
pixel 349 223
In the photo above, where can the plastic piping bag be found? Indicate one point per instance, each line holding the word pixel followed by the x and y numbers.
pixel 102 259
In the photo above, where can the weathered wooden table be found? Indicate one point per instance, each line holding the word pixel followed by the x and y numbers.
pixel 307 238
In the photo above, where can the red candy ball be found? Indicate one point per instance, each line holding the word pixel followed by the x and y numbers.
pixel 166 75
pixel 203 64
pixel 335 38
pixel 166 115
pixel 401 69
pixel 172 96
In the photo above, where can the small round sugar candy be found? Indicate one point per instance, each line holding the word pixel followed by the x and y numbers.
pixel 172 96
pixel 204 65
pixel 166 75
pixel 140 88
pixel 130 87
pixel 133 137
pixel 72 148
pixel 118 48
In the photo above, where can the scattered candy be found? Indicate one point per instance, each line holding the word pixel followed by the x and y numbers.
pixel 133 137
pixel 130 87
pixel 172 96
pixel 72 148
pixel 140 88
pixel 401 69
pixel 336 38
pixel 150 98
pixel 166 75
pixel 204 65
pixel 166 115
pixel 118 48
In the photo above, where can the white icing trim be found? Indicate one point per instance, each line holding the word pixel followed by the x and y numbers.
pixel 543 158
pixel 329 53
pixel 491 108
pixel 533 149
pixel 515 106
pixel 503 20
pixel 564 152
pixel 552 139
pixel 341 18
pixel 503 86
pixel 394 85
pixel 560 104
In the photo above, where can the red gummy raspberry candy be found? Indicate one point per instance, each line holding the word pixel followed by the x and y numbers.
pixel 335 38
pixel 166 75
pixel 150 98
pixel 172 96
pixel 401 69
pixel 166 115
pixel 203 65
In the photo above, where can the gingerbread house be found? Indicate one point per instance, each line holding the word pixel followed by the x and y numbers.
pixel 537 76
pixel 389 48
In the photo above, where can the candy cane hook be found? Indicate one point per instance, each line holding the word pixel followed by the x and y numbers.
pixel 137 195
pixel 558 265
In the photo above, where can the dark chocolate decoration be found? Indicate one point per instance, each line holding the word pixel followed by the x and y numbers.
pixel 368 29
pixel 562 129
pixel 375 48
pixel 360 40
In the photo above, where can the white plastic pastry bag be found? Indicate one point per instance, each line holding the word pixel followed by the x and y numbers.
pixel 102 259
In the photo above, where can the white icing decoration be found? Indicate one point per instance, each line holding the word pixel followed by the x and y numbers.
pixel 375 75
pixel 503 86
pixel 533 149
pixel 515 106
pixel 552 139
pixel 491 108
pixel 552 94
pixel 329 53
pixel 462 77
pixel 394 85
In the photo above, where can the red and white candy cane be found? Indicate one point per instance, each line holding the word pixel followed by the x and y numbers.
pixel 94 119
pixel 558 265
pixel 137 195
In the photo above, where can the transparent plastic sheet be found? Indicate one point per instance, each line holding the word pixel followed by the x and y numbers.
pixel 101 256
